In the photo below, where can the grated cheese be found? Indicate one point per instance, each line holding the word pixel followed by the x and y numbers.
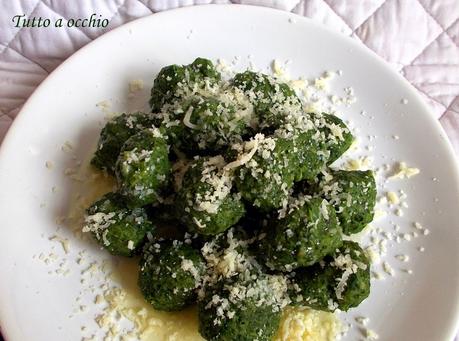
pixel 392 198
pixel 371 335
pixel 403 171
pixel 277 69
pixel 308 325
pixel 135 85
pixel 303 324
pixel 130 245
pixel 64 242
pixel 244 158
pixel 187 117
pixel 388 269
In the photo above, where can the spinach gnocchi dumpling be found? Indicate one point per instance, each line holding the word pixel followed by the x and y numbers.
pixel 207 203
pixel 199 114
pixel 177 81
pixel 251 314
pixel 306 233
pixel 120 230
pixel 265 171
pixel 308 155
pixel 336 137
pixel 353 194
pixel 212 125
pixel 170 274
pixel 271 99
pixel 117 131
pixel 341 281
pixel 143 167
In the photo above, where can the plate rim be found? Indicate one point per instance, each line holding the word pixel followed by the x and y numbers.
pixel 22 115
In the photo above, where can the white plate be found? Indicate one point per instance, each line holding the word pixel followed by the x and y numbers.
pixel 35 305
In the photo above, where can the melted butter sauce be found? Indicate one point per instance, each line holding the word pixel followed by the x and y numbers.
pixel 152 325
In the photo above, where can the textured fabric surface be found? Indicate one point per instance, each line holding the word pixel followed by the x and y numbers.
pixel 419 38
